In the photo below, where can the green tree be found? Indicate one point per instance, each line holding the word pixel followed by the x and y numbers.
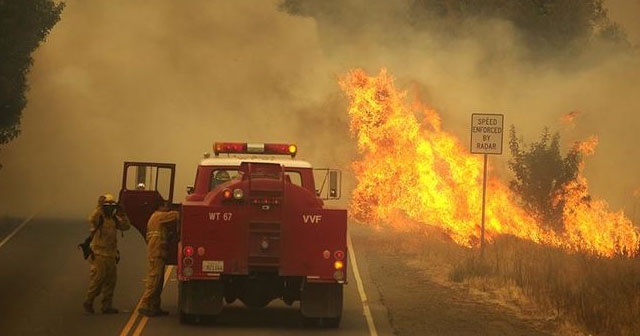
pixel 24 24
pixel 540 174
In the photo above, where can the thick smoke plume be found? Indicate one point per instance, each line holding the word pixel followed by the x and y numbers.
pixel 160 81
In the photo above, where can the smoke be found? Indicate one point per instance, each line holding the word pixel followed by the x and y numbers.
pixel 485 71
pixel 159 81
pixel 134 80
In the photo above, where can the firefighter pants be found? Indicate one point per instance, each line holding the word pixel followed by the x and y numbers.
pixel 153 284
pixel 102 280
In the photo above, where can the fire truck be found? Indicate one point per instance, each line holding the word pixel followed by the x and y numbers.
pixel 254 227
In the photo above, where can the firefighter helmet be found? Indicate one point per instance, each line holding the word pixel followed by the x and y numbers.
pixel 222 176
pixel 108 198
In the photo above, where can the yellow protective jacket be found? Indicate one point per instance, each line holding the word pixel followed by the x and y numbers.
pixel 158 228
pixel 105 235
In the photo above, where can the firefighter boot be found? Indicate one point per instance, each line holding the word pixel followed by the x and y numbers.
pixel 147 312
pixel 88 307
pixel 152 312
pixel 110 310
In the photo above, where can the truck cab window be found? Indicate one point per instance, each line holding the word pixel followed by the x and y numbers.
pixel 219 176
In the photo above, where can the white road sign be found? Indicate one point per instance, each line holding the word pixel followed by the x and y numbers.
pixel 486 133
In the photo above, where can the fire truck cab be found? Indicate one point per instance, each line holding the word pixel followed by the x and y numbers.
pixel 254 227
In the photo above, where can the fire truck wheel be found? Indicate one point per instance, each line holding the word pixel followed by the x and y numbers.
pixel 197 318
pixel 332 322
pixel 311 322
pixel 188 318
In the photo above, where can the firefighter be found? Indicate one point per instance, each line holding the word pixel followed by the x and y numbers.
pixel 220 177
pixel 105 222
pixel 160 225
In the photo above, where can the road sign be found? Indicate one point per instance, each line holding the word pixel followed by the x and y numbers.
pixel 486 133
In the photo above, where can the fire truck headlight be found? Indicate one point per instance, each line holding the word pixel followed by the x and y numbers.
pixel 238 194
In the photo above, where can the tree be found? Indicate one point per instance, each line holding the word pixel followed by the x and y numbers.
pixel 553 30
pixel 24 24
pixel 548 27
pixel 540 174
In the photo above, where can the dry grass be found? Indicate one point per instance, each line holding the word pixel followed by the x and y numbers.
pixel 600 294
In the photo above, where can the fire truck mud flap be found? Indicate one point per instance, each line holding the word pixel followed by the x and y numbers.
pixel 199 300
pixel 321 303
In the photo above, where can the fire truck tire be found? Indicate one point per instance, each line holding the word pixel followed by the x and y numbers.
pixel 199 300
pixel 333 322
pixel 188 318
pixel 321 304
pixel 311 322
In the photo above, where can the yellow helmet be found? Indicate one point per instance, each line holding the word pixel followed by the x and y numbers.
pixel 108 198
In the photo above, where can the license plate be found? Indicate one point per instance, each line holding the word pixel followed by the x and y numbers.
pixel 213 266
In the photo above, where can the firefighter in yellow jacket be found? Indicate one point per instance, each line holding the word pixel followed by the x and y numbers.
pixel 159 226
pixel 105 222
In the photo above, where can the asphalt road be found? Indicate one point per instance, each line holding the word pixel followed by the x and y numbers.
pixel 43 280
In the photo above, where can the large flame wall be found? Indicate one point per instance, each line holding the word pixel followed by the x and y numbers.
pixel 411 172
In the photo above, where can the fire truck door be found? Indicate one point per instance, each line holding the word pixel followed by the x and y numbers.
pixel 145 186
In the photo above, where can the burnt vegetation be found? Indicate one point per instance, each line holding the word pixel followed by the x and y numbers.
pixel 598 295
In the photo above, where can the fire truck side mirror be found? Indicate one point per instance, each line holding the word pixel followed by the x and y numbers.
pixel 328 183
pixel 333 184
pixel 190 189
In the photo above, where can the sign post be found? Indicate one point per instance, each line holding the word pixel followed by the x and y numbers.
pixel 486 138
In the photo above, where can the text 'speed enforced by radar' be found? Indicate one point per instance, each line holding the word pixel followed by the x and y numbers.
pixel 486 133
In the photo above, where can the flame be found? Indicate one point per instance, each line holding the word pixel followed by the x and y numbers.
pixel 570 117
pixel 413 173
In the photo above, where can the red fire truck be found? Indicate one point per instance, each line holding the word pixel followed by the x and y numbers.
pixel 254 227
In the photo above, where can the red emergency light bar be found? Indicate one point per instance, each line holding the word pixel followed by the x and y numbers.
pixel 254 148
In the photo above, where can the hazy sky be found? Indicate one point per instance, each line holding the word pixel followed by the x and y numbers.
pixel 162 80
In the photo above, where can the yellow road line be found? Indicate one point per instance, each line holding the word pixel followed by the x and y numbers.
pixel 134 315
pixel 4 241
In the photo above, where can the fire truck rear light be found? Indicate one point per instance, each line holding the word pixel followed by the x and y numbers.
pixel 227 194
pixel 187 271
pixel 187 261
pixel 201 251
pixel 338 265
pixel 339 276
pixel 339 255
pixel 188 251
pixel 238 194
